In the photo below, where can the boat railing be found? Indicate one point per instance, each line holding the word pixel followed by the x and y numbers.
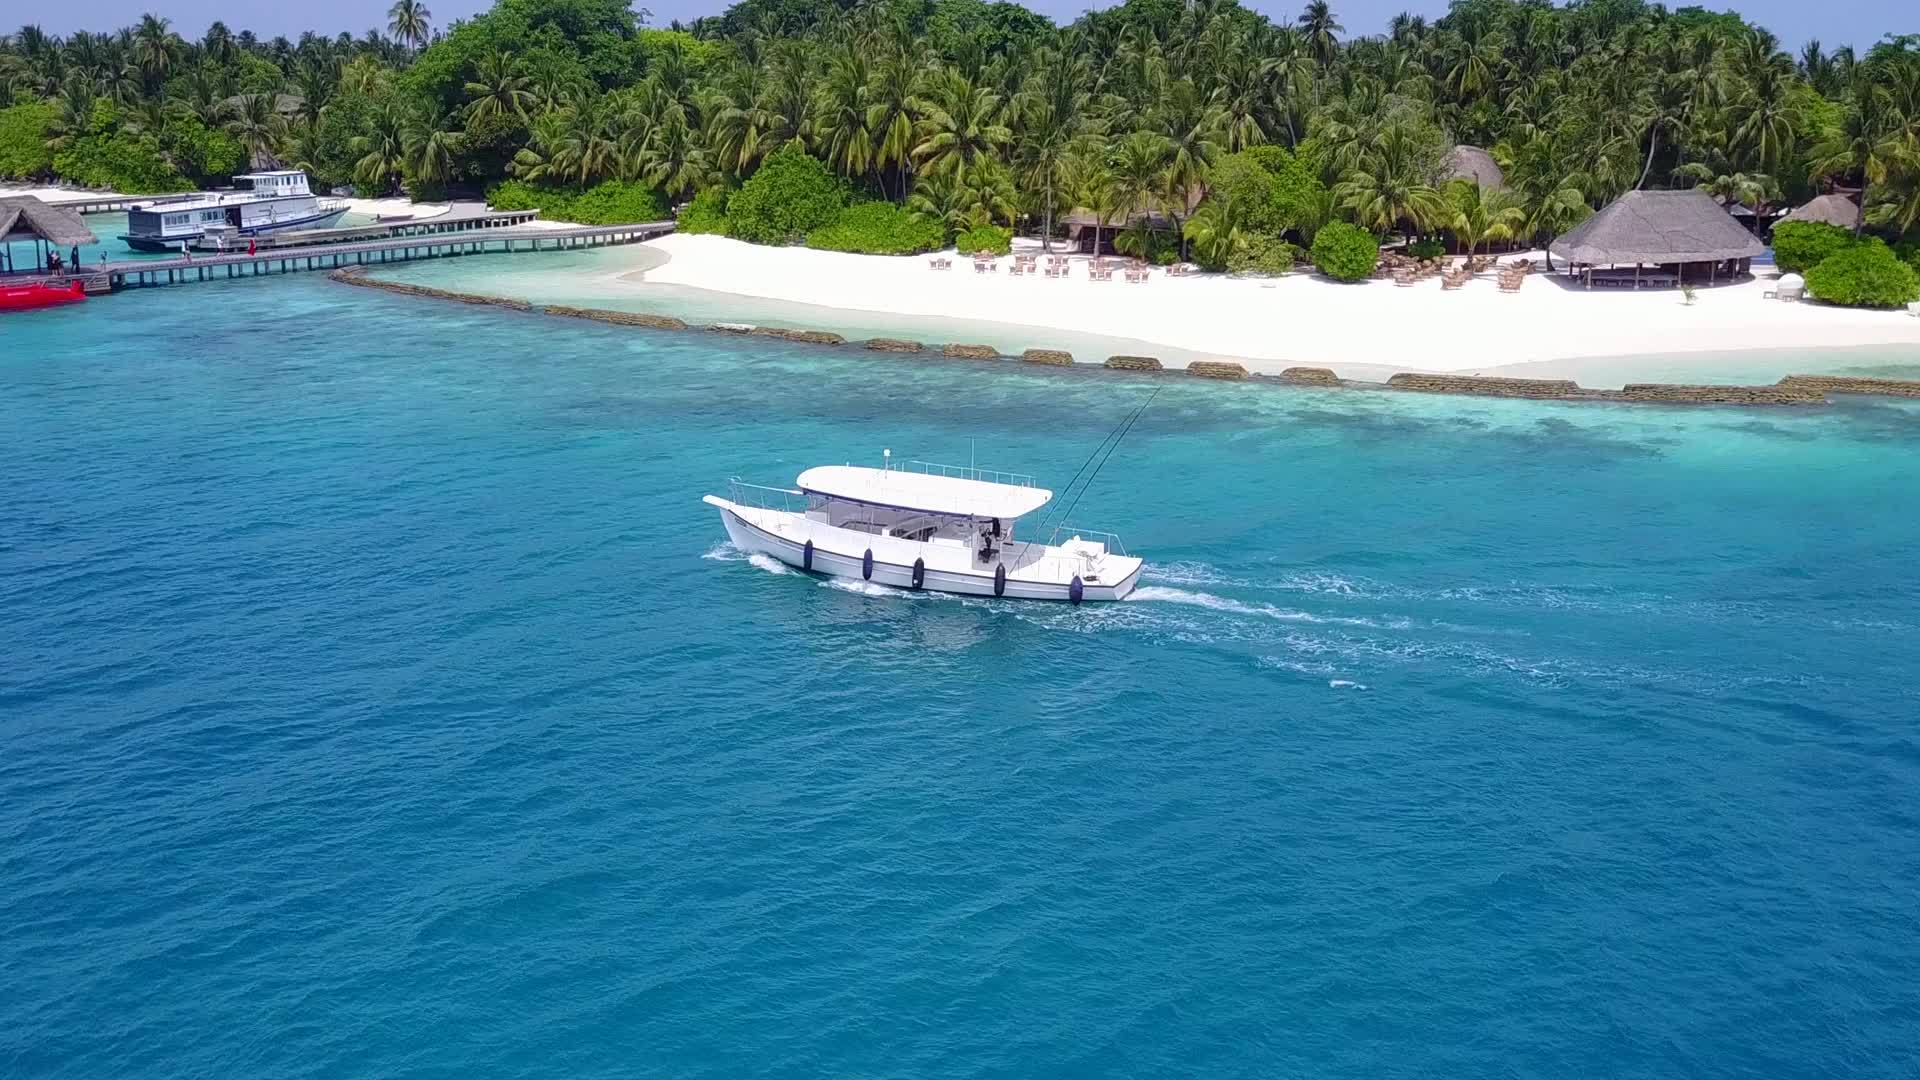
pixel 762 497
pixel 970 472
pixel 1068 532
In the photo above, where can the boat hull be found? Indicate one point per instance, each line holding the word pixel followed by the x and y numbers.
pixel 749 537
pixel 32 297
pixel 161 244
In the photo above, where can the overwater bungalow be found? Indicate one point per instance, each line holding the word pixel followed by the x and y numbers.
pixel 1658 238
pixel 25 219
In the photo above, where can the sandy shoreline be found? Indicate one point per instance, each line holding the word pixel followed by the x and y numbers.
pixel 1361 331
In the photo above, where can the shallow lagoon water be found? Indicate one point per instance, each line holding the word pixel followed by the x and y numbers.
pixel 383 701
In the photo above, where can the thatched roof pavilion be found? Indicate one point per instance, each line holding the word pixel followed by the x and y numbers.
pixel 1831 209
pixel 1681 229
pixel 23 217
pixel 1472 163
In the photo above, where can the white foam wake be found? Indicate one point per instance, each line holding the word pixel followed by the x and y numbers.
pixel 1240 607
pixel 725 552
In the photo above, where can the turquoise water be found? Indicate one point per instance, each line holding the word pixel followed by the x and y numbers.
pixel 382 701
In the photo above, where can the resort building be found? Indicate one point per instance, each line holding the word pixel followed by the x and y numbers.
pixel 1658 238
pixel 1834 208
pixel 1472 163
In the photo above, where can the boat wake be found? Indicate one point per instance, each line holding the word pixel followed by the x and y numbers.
pixel 725 552
pixel 1166 595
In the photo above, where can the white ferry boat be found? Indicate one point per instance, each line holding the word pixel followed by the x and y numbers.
pixel 945 528
pixel 261 202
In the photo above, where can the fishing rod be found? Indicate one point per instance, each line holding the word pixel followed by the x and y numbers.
pixel 1109 444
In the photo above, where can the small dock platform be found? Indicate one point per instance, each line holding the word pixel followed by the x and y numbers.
pixel 446 244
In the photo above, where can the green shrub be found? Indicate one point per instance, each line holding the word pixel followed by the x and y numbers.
pixel 107 155
pixel 1799 246
pixel 1272 190
pixel 1866 274
pixel 707 213
pixel 986 239
pixel 1259 253
pixel 611 202
pixel 789 196
pixel 1428 247
pixel 207 155
pixel 23 141
pixel 878 228
pixel 1345 252
pixel 1908 251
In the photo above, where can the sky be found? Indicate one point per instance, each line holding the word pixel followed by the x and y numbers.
pixel 1838 22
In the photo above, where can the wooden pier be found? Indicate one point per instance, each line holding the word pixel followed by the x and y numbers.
pixel 127 275
pixel 125 202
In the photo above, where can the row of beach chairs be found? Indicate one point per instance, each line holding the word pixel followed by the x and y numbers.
pixel 1057 266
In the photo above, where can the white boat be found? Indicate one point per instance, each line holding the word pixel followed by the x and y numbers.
pixel 262 202
pixel 943 528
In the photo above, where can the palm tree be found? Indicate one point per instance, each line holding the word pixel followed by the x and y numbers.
pixel 382 149
pixel 253 120
pixel 217 44
pixel 1317 22
pixel 1866 144
pixel 890 114
pixel 1387 190
pixel 942 198
pixel 575 145
pixel 1898 208
pixel 1767 117
pixel 1477 215
pixel 1095 188
pixel 314 81
pixel 429 145
pixel 155 47
pixel 408 20
pixel 1214 232
pixel 1052 112
pixel 495 90
pixel 675 162
pixel 959 125
pixel 846 142
pixel 1139 172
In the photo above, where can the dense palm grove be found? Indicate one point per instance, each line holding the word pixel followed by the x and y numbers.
pixel 1196 124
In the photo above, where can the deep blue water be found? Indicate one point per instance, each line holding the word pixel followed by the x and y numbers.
pixel 380 701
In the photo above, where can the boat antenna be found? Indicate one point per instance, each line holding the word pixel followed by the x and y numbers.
pixel 1109 445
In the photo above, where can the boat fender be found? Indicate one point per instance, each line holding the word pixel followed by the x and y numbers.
pixel 1075 590
pixel 866 565
pixel 806 556
pixel 919 573
pixel 1000 579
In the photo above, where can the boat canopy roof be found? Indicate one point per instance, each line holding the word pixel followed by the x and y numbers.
pixel 931 494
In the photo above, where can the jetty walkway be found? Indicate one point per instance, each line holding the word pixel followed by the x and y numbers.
pixel 288 260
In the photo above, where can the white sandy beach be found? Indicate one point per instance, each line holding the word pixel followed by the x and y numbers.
pixel 1361 331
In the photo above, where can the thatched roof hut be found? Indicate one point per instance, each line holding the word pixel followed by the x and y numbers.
pixel 1831 209
pixel 1475 164
pixel 23 217
pixel 1658 227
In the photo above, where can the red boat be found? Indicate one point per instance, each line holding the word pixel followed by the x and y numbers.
pixel 28 297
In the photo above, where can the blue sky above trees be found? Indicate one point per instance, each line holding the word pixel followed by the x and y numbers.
pixel 1851 22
